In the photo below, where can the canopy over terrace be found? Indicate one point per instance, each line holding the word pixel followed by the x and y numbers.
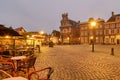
pixel 10 40
pixel 7 31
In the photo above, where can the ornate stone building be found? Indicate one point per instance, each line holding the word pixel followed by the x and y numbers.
pixel 69 30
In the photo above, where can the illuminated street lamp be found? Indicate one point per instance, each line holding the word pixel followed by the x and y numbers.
pixel 41 32
pixel 93 26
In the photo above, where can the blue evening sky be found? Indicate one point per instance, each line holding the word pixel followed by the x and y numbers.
pixel 37 15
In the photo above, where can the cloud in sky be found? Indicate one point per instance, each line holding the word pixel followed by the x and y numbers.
pixel 35 15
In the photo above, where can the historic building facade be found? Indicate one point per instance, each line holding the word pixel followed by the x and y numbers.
pixel 112 29
pixel 87 32
pixel 104 32
pixel 69 30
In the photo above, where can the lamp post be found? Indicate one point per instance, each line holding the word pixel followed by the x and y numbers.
pixel 92 42
pixel 93 25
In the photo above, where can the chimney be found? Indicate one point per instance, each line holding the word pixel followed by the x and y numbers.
pixel 112 13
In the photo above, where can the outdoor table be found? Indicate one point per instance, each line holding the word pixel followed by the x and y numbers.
pixel 15 78
pixel 16 59
pixel 22 51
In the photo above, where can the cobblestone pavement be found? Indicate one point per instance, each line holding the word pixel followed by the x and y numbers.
pixel 77 62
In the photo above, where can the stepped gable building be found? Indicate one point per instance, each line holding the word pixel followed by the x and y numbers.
pixel 112 29
pixel 69 30
pixel 86 31
pixel 20 30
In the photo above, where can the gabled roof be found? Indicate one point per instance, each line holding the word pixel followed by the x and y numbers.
pixel 112 18
pixel 19 29
pixel 73 23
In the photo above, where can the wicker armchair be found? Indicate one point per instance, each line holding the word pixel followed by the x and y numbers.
pixel 4 74
pixel 7 66
pixel 42 74
pixel 27 64
pixel 5 62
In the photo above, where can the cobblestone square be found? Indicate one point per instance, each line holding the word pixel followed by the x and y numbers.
pixel 77 62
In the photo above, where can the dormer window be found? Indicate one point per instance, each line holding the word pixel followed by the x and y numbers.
pixel 118 18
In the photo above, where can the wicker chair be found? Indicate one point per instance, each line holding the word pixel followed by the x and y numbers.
pixel 4 74
pixel 7 66
pixel 43 74
pixel 27 64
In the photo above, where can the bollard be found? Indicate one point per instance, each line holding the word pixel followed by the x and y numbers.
pixel 112 51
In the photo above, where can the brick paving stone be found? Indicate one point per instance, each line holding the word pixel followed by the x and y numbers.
pixel 77 62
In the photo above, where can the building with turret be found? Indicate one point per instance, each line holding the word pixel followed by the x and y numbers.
pixel 69 30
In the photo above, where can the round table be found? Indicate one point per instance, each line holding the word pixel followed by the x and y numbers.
pixel 16 59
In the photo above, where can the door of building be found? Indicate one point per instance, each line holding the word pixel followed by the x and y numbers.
pixel 118 41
